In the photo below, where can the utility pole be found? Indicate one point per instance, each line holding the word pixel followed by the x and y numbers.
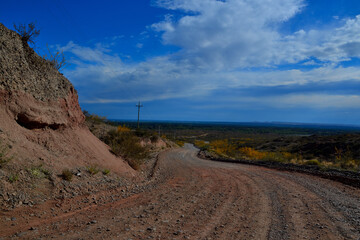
pixel 138 106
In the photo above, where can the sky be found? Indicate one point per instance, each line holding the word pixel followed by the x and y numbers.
pixel 205 60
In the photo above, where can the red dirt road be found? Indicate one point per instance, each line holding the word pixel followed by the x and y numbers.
pixel 190 198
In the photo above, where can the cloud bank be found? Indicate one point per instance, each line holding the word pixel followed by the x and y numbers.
pixel 233 44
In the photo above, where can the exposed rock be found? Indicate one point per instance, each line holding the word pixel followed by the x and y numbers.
pixel 40 116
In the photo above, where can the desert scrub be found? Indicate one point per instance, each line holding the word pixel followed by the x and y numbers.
pixel 350 164
pixel 180 143
pixel 13 178
pixel 154 138
pixel 39 172
pixel 201 144
pixel 67 175
pixel 127 145
pixel 106 171
pixel 313 162
pixel 123 128
pixel 93 170
pixel 223 147
pixel 4 155
pixel 94 118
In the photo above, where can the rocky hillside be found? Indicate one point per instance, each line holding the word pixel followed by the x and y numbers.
pixel 41 123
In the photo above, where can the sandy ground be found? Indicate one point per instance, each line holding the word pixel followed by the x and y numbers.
pixel 190 198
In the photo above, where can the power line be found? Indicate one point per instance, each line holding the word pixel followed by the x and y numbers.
pixel 139 106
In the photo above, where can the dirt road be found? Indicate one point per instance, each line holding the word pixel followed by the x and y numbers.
pixel 190 198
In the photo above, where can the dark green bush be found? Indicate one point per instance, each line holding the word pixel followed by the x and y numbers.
pixel 154 138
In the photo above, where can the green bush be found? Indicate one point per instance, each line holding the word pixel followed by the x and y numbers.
pixel 93 170
pixel 67 175
pixel 13 178
pixel 313 162
pixel 39 172
pixel 127 145
pixel 106 171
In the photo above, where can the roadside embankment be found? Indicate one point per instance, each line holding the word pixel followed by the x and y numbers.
pixel 346 177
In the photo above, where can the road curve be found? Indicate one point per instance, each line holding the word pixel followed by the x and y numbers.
pixel 191 198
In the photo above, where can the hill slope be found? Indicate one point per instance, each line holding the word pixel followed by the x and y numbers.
pixel 41 122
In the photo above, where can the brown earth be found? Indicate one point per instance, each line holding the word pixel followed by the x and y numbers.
pixel 191 198
pixel 42 126
pixel 40 116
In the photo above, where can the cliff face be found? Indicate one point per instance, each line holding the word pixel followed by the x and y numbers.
pixel 40 117
pixel 28 84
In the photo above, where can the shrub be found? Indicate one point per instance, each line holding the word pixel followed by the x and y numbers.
pixel 35 172
pixel 106 171
pixel 4 155
pixel 202 145
pixel 142 133
pixel 27 32
pixel 13 178
pixel 93 170
pixel 127 145
pixel 180 143
pixel 154 138
pixel 67 175
pixel 252 153
pixel 349 164
pixel 223 147
pixel 56 60
pixel 94 118
pixel 313 162
pixel 39 172
pixel 123 128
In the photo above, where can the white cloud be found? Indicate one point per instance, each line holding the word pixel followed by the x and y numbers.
pixel 241 33
pixel 104 78
pixel 314 101
pixel 310 63
pixel 227 34
pixel 219 41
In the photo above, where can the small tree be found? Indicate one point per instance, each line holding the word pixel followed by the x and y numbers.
pixel 27 32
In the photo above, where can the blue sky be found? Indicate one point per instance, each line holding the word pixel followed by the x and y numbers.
pixel 206 60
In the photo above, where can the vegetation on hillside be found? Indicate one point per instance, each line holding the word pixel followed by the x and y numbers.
pixel 123 140
pixel 4 154
pixel 325 146
pixel 238 149
pixel 28 33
